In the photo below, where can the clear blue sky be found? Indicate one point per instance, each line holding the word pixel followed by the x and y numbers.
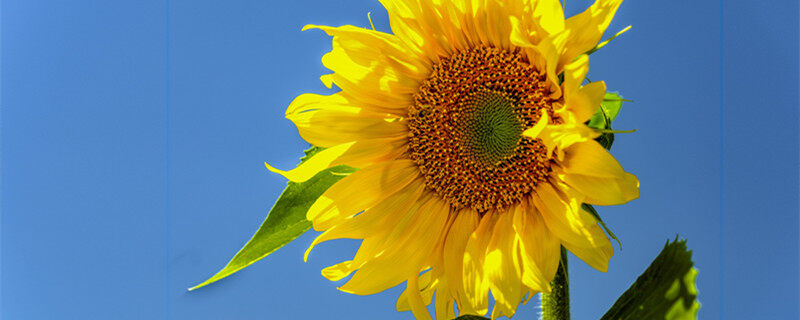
pixel 134 132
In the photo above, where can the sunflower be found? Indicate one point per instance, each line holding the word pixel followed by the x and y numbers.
pixel 467 124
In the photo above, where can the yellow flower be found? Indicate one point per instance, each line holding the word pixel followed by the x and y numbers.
pixel 467 124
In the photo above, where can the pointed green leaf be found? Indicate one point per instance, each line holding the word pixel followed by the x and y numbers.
pixel 589 208
pixel 606 140
pixel 286 220
pixel 608 111
pixel 666 290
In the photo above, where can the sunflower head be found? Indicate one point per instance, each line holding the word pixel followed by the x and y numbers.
pixel 468 124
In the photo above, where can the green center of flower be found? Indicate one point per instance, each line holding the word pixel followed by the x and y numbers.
pixel 491 129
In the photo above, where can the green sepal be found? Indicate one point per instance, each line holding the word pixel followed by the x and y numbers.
pixel 666 290
pixel 589 208
pixel 606 140
pixel 286 220
pixel 606 113
pixel 601 120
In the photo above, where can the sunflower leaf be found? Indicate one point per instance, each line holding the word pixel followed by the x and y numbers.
pixel 606 113
pixel 666 290
pixel 286 220
pixel 606 140
pixel 589 208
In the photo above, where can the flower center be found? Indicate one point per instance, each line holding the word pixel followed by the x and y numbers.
pixel 466 124
pixel 491 130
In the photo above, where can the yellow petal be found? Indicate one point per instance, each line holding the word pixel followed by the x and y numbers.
pixel 574 73
pixel 604 191
pixel 474 23
pixel 559 136
pixel 357 154
pixel 476 286
pixel 444 306
pixel 587 100
pixel 372 83
pixel 586 29
pixel 343 102
pixel 412 238
pixel 542 56
pixel 364 153
pixel 577 229
pixel 366 251
pixel 453 21
pixel 373 222
pixel 498 23
pixel 592 171
pixel 444 300
pixel 328 128
pixel 564 135
pixel 536 19
pixel 582 101
pixel 539 248
pixel 365 45
pixel 320 161
pixel 427 285
pixel 454 247
pixel 590 159
pixel 520 35
pixel 560 214
pixel 596 258
pixel 503 266
pixel 529 295
pixel 373 184
pixel 338 271
pixel 551 48
pixel 597 255
pixel 537 129
pixel 372 66
pixel 311 101
pixel 406 20
pixel 550 15
pixel 415 299
pixel 432 18
pixel 327 80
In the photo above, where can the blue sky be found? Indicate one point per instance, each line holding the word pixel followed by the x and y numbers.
pixel 134 135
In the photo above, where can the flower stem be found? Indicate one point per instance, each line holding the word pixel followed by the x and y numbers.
pixel 555 305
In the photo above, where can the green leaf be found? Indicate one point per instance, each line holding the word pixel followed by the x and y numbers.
pixel 589 208
pixel 666 290
pixel 608 111
pixel 286 220
pixel 606 140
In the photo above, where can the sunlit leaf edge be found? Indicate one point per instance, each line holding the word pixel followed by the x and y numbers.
pixel 666 290
pixel 285 222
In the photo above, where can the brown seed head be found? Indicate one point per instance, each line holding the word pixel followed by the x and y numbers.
pixel 465 128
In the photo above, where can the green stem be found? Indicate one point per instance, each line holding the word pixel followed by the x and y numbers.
pixel 555 305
